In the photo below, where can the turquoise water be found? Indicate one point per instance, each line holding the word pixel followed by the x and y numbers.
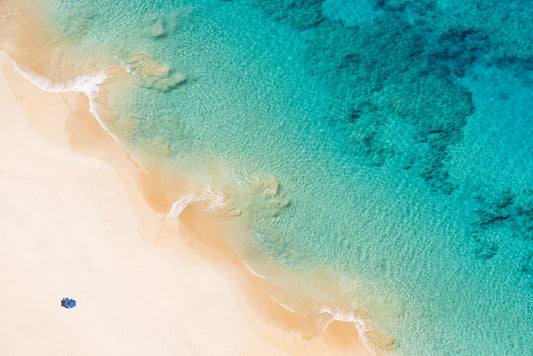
pixel 399 133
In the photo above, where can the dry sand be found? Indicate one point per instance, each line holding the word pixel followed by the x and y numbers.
pixel 74 223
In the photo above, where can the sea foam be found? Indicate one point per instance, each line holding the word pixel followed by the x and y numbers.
pixel 210 200
pixel 84 83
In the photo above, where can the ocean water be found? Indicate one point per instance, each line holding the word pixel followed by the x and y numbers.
pixel 385 142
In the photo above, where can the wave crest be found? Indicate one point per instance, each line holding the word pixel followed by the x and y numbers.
pixel 208 199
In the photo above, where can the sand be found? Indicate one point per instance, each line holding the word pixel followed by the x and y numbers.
pixel 75 223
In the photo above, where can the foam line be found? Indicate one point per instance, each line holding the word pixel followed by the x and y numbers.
pixel 209 199
pixel 82 84
pixel 359 323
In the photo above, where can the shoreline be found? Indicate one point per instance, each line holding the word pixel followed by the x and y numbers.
pixel 329 217
pixel 85 102
pixel 83 139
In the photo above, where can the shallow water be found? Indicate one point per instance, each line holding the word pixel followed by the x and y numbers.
pixel 398 132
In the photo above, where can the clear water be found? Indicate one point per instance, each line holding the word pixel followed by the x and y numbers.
pixel 399 133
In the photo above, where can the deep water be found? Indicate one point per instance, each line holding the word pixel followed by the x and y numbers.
pixel 399 133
